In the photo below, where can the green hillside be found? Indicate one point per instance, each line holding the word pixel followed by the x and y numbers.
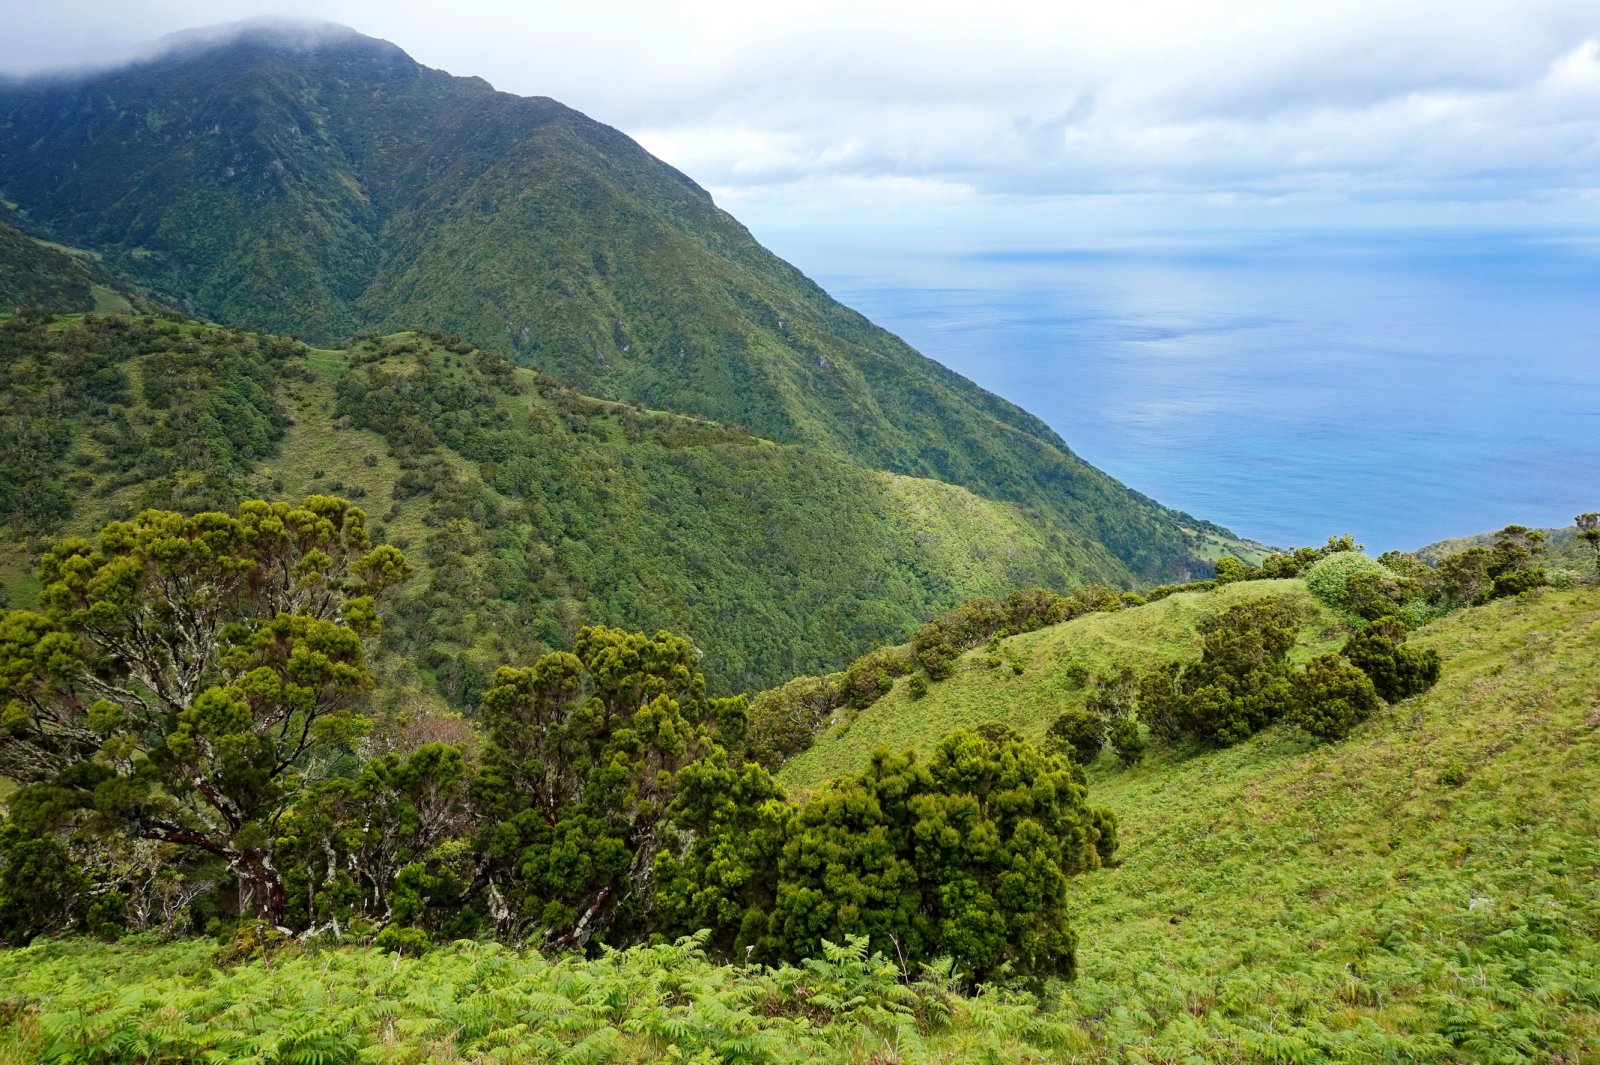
pixel 1425 891
pixel 322 187
pixel 529 508
pixel 1033 677
pixel 1564 550
pixel 35 274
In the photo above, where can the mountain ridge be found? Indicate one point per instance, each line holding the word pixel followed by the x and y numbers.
pixel 325 187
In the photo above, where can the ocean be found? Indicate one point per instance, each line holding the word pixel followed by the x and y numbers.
pixel 1402 387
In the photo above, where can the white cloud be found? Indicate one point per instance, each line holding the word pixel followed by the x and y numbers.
pixel 945 106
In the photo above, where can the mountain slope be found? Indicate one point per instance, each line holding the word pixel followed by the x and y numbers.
pixel 529 509
pixel 317 185
pixel 34 274
pixel 1426 891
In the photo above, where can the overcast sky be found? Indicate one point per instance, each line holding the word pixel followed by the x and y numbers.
pixel 1123 115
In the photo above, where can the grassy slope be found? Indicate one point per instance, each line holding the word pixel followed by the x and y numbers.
pixel 1293 902
pixel 980 692
pixel 1564 550
pixel 559 510
pixel 1286 901
pixel 1426 891
pixel 343 186
pixel 36 273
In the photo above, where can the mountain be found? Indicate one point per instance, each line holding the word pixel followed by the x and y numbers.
pixel 36 274
pixel 528 508
pixel 319 182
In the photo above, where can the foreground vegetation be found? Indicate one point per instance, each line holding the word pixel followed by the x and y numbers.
pixel 1424 891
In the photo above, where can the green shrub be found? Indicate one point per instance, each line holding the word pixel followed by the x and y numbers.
pixel 1240 684
pixel 1329 697
pixel 408 942
pixel 1081 731
pixel 1331 577
pixel 917 686
pixel 1396 671
pixel 1127 739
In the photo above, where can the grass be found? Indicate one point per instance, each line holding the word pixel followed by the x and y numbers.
pixel 1426 891
pixel 1029 682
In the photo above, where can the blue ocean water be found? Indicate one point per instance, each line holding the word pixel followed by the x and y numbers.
pixel 1401 387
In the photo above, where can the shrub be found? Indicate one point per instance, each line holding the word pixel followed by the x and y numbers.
pixel 1330 579
pixel 1231 568
pixel 399 939
pixel 917 686
pixel 1126 737
pixel 1082 732
pixel 1330 697
pixel 966 856
pixel 1396 671
pixel 1240 684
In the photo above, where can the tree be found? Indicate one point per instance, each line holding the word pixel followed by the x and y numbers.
pixel 1329 697
pixel 184 673
pixel 1396 671
pixel 583 763
pixel 1589 529
pixel 382 843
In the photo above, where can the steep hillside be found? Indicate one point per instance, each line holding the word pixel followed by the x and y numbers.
pixel 35 274
pixel 529 508
pixel 320 182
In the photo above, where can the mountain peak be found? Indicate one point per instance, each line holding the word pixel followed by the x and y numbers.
pixel 288 34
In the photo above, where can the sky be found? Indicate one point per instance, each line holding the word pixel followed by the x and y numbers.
pixel 1030 118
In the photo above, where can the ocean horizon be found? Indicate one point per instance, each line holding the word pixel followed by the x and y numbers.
pixel 1402 387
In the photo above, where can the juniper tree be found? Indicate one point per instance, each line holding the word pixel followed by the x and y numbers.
pixel 183 672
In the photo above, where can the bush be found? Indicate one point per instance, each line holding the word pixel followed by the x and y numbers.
pixel 917 686
pixel 1240 684
pixel 398 939
pixel 1127 739
pixel 1330 580
pixel 1083 733
pixel 1330 697
pixel 1396 671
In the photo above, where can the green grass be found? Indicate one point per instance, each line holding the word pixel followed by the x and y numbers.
pixel 1426 891
pixel 988 688
pixel 1284 901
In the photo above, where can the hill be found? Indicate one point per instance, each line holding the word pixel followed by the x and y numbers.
pixel 1423 891
pixel 1564 550
pixel 36 274
pixel 318 182
pixel 1032 678
pixel 529 508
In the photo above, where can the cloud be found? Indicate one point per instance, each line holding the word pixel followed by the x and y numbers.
pixel 785 108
